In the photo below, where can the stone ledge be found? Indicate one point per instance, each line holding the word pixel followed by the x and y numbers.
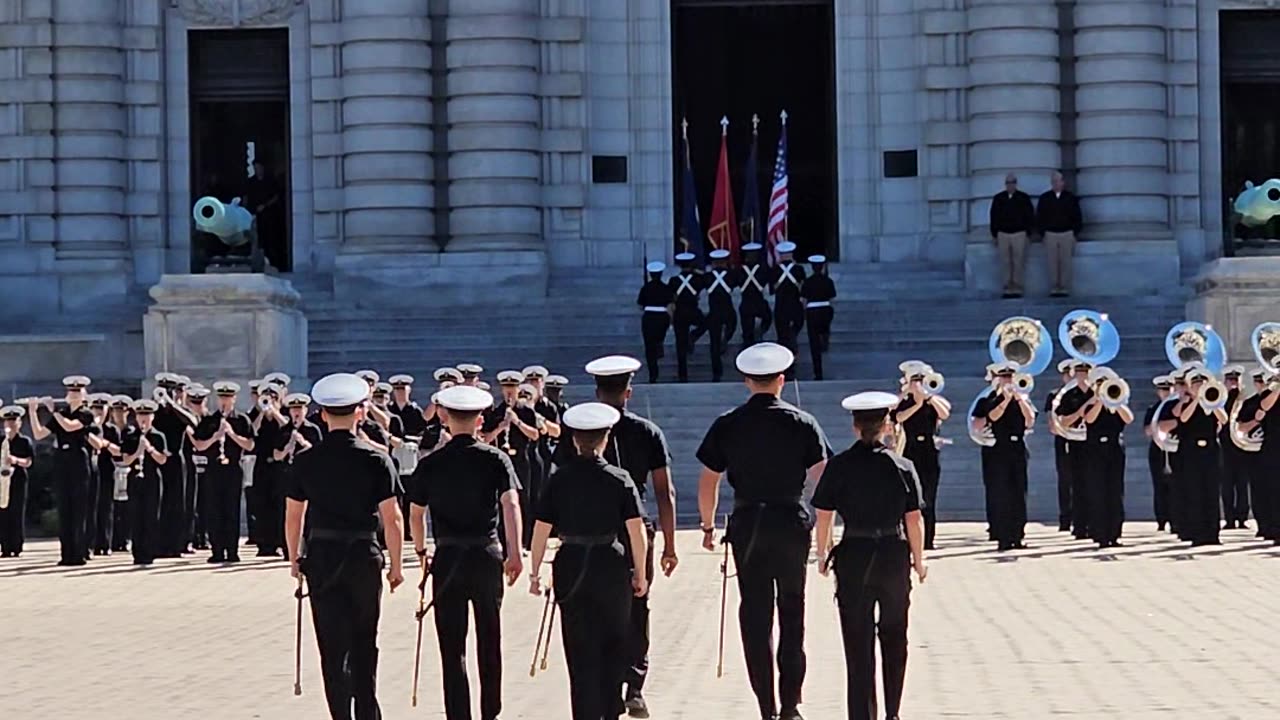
pixel 224 289
pixel 1100 268
pixel 1235 295
pixel 395 276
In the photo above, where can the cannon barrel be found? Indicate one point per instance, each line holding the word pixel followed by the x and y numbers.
pixel 231 223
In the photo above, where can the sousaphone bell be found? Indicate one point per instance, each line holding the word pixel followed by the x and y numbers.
pixel 1024 342
pixel 1089 336
pixel 1193 342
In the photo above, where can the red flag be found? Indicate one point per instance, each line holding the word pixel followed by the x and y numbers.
pixel 723 232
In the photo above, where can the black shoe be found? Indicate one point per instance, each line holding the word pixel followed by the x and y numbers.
pixel 268 553
pixel 6 554
pixel 216 560
pixel 1064 527
pixel 1159 527
pixel 636 706
pixel 1116 543
pixel 1008 295
pixel 1004 547
pixel 233 558
pixel 790 714
pixel 1019 545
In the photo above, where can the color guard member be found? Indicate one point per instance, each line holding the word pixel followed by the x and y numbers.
pixel 343 487
pixel 591 504
pixel 222 438
pixel 688 320
pixel 146 451
pixel 788 308
pixel 818 291
pixel 722 317
pixel 69 425
pixel 877 495
pixel 768 449
pixel 753 309
pixel 1009 414
pixel 467 490
pixel 655 299
pixel 21 454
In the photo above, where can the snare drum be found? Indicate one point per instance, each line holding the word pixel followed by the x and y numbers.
pixel 120 492
pixel 406 456
pixel 247 463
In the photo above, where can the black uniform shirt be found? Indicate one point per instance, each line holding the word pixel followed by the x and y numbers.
pixel 818 288
pixel 71 440
pixel 766 446
pixel 1058 213
pixel 753 285
pixel 1012 425
pixel 656 293
pixel 374 431
pixel 133 438
pixel 871 488
pixel 174 426
pixel 687 299
pixel 920 427
pixel 208 427
pixel 1107 429
pixel 1202 427
pixel 635 444
pixel 788 279
pixel 1072 401
pixel 590 497
pixel 461 484
pixel 719 283
pixel 1011 213
pixel 1224 435
pixel 309 432
pixel 551 412
pixel 20 446
pixel 268 439
pixel 1270 422
pixel 413 424
pixel 394 428
pixel 1148 417
pixel 343 480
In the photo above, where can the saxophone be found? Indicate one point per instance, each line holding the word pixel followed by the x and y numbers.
pixel 6 471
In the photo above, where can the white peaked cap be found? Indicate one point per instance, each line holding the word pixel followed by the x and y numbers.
pixel 591 416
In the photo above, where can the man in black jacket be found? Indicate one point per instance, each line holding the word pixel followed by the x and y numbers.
pixel 1058 217
pixel 1012 218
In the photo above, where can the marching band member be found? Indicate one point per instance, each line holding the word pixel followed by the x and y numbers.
pixel 655 300
pixel 1070 415
pixel 1158 461
pixel 1198 473
pixel 687 318
pixel 69 425
pixel 146 450
pixel 1235 477
pixel 20 453
pixel 1009 414
pixel 1167 423
pixel 591 503
pixel 1061 460
pixel 920 413
pixel 515 428
pixel 878 496
pixel 818 291
pixel 222 438
pixel 172 418
pixel 1260 485
pixel 535 376
pixel 270 432
pixel 555 393
pixel 196 467
pixel 1268 415
pixel 722 317
pixel 788 308
pixel 1104 459
pixel 753 309
pixel 413 430
pixel 467 490
pixel 343 487
pixel 98 527
pixel 115 431
pixel 471 373
pixel 249 464
pixel 769 527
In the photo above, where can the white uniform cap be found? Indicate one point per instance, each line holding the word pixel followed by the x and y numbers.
pixel 470 369
pixel 612 365
pixel 786 247
pixel 719 254
pixel 536 371
pixel 764 359
pixel 197 392
pixel 1099 374
pixel 1233 370
pixel 483 385
pixel 100 399
pixel 269 387
pixel 591 416
pixel 447 373
pixel 254 385
pixel 340 390
pixel 655 266
pixel 1065 365
pixel 1162 381
pixel 1195 374
pixel 145 407
pixel 226 388
pixel 1081 364
pixel 369 376
pixel 12 412
pixel 165 379
pixel 121 402
pixel 381 388
pixel 526 389
pixel 401 380
pixel 510 377
pixel 557 381
pixel 752 247
pixel 463 398
pixel 1259 373
pixel 75 381
pixel 1003 368
pixel 912 367
pixel 297 400
pixel 817 259
pixel 686 257
pixel 183 381
pixel 279 378
pixel 870 401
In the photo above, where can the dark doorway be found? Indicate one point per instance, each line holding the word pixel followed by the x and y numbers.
pixel 240 135
pixel 750 57
pixel 1250 62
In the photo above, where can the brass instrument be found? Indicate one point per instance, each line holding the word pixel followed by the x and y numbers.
pixel 933 383
pixel 1193 342
pixel 984 437
pixel 1023 383
pixel 1266 347
pixel 1089 336
pixel 1250 442
pixel 1073 434
pixel 1163 440
pixel 6 471
pixel 1213 395
pixel 1023 341
pixel 1114 393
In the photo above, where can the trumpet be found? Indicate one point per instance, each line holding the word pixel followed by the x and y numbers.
pixel 1024 383
pixel 1114 393
pixel 161 396
pixel 933 383
pixel 44 400
pixel 6 471
pixel 1213 396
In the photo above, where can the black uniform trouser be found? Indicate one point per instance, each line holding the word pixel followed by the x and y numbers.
pixel 771 566
pixel 1004 468
pixel 928 469
pixel 402 496
pixel 1062 462
pixel 871 573
pixel 1078 457
pixel 1106 490
pixel 197 506
pixel 689 325
pixel 1260 488
pixel 145 493
pixel 122 525
pixel 1160 479
pixel 104 505
pixel 251 503
pixel 721 324
pixel 1199 476
pixel 71 495
pixel 221 485
pixel 268 484
pixel 1266 469
pixel 751 310
pixel 12 527
pixel 91 504
pixel 654 326
pixel 596 601
pixel 462 577
pixel 789 316
pixel 345 581
pixel 1177 496
pixel 173 517
pixel 637 647
pixel 1235 483
pixel 819 322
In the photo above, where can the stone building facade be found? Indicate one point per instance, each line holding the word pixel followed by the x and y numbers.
pixel 449 144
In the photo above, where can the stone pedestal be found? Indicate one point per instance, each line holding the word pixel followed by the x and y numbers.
pixel 234 327
pixel 1235 295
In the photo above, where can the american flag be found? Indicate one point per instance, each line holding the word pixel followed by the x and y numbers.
pixel 778 199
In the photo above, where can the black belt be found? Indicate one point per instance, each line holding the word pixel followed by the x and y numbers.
pixel 859 533
pixel 753 505
pixel 345 535
pixel 466 541
pixel 588 540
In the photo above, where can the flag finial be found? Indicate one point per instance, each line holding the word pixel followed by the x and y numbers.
pixel 783 115
pixel 755 122
pixel 684 128
pixel 724 125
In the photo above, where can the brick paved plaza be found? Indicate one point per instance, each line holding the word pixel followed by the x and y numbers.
pixel 1152 630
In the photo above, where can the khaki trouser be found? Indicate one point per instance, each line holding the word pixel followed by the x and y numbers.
pixel 1012 248
pixel 1059 248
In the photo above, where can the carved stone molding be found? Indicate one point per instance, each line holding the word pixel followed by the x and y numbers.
pixel 236 13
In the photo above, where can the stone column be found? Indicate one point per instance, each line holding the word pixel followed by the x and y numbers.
pixel 1013 97
pixel 90 125
pixel 1122 126
pixel 387 196
pixel 494 126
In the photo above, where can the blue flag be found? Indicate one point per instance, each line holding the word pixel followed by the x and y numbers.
pixel 749 220
pixel 691 238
